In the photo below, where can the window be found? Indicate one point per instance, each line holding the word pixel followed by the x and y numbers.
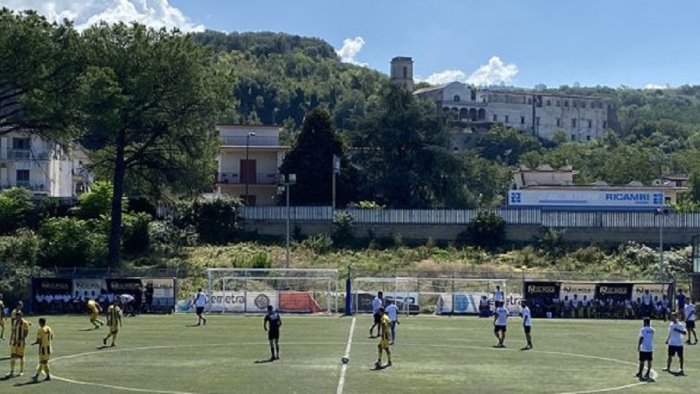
pixel 507 118
pixel 549 103
pixel 20 143
pixel 566 103
pixel 575 103
pixel 605 124
pixel 590 123
pixel 558 122
pixel 588 138
pixel 573 122
pixel 583 104
pixel 405 72
pixel 573 137
pixel 537 120
pixel 558 103
pixel 22 176
pixel 495 118
pixel 529 101
pixel 456 98
pixel 473 95
pixel 522 120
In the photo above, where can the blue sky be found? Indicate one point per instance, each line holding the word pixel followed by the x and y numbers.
pixel 518 42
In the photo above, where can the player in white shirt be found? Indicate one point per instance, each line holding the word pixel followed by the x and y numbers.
pixel 527 324
pixel 200 301
pixel 499 322
pixel 676 330
pixel 498 295
pixel 645 348
pixel 377 304
pixel 646 303
pixel 393 313
pixel 689 313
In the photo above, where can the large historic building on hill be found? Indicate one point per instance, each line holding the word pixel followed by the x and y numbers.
pixel 579 118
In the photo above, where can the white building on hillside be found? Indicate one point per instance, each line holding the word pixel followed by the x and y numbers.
pixel 579 118
pixel 40 166
pixel 248 163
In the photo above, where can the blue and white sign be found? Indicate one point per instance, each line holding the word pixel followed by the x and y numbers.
pixel 638 199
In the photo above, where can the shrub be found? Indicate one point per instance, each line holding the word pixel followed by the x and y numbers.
pixel 487 230
pixel 319 244
pixel 216 221
pixel 16 207
pixel 136 237
pixel 342 229
pixel 97 202
pixel 18 257
pixel 72 242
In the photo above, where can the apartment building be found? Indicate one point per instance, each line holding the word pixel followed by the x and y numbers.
pixel 248 163
pixel 42 167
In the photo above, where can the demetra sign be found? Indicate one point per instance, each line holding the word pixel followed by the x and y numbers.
pixel 617 291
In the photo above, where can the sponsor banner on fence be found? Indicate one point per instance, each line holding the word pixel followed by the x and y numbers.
pixel 404 300
pixel 363 302
pixel 297 301
pixel 541 290
pixel 657 290
pixel 52 286
pixel 458 303
pixel 219 301
pixel 616 291
pixel 123 285
pixel 91 287
pixel 578 289
pixel 258 301
pixel 163 292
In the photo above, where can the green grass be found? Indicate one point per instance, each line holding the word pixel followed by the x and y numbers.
pixel 432 354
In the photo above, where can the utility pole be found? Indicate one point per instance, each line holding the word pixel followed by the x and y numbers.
pixel 336 171
pixel 289 179
pixel 247 163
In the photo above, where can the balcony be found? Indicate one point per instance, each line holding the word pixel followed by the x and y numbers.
pixel 234 178
pixel 26 154
pixel 32 186
pixel 236 140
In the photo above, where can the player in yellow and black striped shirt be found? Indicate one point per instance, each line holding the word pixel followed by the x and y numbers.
pixel 44 338
pixel 18 342
pixel 114 321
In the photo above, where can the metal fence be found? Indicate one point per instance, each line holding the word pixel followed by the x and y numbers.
pixel 545 218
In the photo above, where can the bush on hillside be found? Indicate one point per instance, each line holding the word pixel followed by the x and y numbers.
pixel 72 242
pixel 216 221
pixel 487 230
pixel 16 209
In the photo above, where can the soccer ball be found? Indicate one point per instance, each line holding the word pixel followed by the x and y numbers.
pixel 345 360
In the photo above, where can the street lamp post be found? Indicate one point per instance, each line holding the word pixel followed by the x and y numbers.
pixel 247 163
pixel 661 213
pixel 288 180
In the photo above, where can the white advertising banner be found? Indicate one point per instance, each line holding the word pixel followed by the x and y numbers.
pixel 227 301
pixel 657 290
pixel 402 298
pixel 258 301
pixel 90 286
pixel 637 199
pixel 458 303
pixel 580 289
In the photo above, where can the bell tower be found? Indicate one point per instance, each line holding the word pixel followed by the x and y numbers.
pixel 402 72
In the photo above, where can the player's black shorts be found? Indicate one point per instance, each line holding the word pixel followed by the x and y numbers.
pixel 200 310
pixel 690 324
pixel 273 334
pixel 527 329
pixel 499 328
pixel 646 356
pixel 377 318
pixel 675 350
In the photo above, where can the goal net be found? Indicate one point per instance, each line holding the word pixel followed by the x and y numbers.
pixel 250 290
pixel 439 295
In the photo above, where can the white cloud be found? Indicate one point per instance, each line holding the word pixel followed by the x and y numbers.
pixel 84 13
pixel 655 86
pixel 446 76
pixel 351 47
pixel 495 72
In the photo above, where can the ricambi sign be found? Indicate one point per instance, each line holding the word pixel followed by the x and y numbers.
pixel 611 199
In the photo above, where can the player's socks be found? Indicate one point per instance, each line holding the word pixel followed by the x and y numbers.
pixel 12 366
pixel 21 366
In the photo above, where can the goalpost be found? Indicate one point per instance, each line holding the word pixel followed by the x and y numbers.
pixel 439 295
pixel 251 290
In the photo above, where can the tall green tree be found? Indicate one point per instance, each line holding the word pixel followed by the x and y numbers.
pixel 151 100
pixel 311 159
pixel 404 155
pixel 40 68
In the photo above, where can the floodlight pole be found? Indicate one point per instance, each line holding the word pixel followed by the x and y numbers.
pixel 289 179
pixel 247 163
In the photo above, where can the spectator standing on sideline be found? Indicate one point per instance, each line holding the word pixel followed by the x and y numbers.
pixel 393 312
pixel 149 296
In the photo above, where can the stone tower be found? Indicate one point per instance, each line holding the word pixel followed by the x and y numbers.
pixel 402 72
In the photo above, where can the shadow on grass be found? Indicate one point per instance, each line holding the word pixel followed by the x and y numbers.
pixel 28 383
pixel 265 361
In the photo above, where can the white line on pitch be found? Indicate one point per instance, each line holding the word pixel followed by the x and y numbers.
pixel 344 368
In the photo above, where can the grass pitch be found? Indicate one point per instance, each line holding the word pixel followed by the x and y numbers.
pixel 164 354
